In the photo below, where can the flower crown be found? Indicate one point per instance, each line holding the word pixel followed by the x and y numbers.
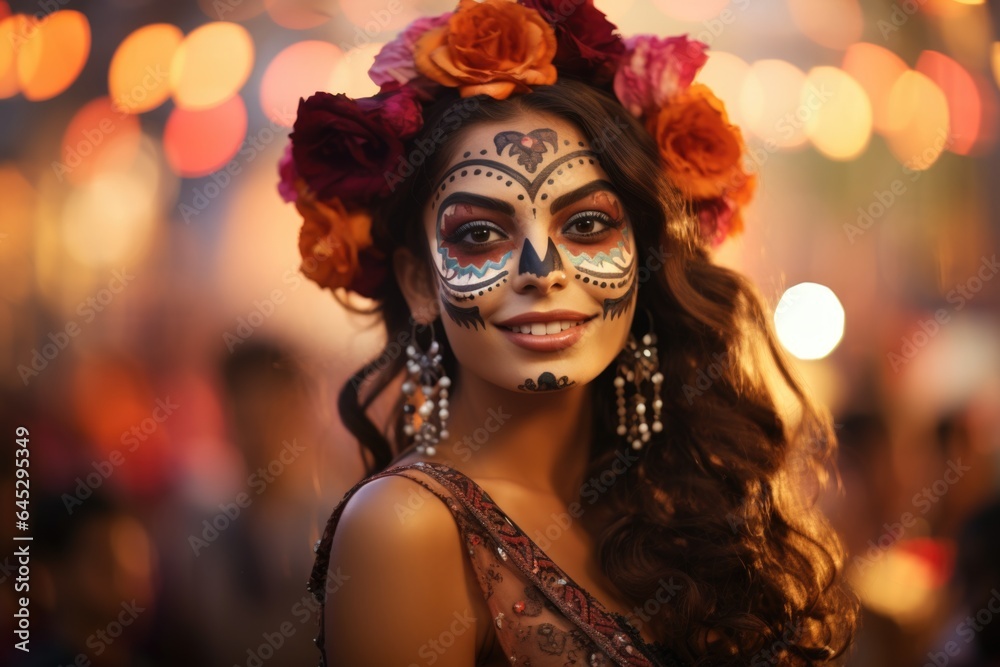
pixel 344 153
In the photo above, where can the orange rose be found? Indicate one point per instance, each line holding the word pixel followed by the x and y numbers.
pixel 330 239
pixel 702 151
pixel 494 47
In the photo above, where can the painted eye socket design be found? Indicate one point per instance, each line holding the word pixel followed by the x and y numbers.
pixel 476 233
pixel 590 225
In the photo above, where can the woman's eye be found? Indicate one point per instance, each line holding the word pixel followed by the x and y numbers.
pixel 480 235
pixel 476 233
pixel 588 223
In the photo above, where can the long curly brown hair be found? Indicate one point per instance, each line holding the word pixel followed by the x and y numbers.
pixel 720 504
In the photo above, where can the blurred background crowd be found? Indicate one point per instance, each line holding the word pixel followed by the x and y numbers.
pixel 177 376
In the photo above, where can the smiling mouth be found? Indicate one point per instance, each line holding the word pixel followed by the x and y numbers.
pixel 545 328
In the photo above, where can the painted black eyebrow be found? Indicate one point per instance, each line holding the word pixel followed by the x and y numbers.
pixel 565 200
pixel 475 200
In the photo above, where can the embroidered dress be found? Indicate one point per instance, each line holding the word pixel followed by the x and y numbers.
pixel 542 618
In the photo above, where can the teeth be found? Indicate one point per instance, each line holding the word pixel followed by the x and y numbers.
pixel 543 328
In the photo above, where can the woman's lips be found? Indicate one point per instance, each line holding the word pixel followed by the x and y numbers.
pixel 567 335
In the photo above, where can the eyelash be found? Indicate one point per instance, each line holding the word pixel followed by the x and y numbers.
pixel 457 236
pixel 600 216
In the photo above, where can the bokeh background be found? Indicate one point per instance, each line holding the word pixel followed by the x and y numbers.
pixel 177 375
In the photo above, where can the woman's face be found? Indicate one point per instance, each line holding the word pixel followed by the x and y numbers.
pixel 534 255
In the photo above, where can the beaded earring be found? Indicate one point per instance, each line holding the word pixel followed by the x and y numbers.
pixel 638 363
pixel 424 371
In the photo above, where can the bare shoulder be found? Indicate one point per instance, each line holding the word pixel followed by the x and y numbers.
pixel 404 588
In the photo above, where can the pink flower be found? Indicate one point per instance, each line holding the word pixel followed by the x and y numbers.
pixel 654 69
pixel 394 63
pixel 718 219
pixel 287 174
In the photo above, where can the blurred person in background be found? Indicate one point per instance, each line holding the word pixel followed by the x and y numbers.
pixel 869 490
pixel 250 556
pixel 92 587
pixel 970 636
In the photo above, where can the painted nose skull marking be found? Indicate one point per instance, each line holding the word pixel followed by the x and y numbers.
pixel 532 263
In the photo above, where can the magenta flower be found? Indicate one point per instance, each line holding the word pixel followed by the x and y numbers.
pixel 654 69
pixel 396 106
pixel 716 220
pixel 287 175
pixel 394 63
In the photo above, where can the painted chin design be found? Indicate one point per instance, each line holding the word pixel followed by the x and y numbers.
pixel 546 382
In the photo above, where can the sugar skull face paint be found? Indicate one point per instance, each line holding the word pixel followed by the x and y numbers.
pixel 534 255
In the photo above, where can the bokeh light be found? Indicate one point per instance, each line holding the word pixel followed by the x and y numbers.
pixel 16 214
pixel 12 31
pixel 921 128
pixel 966 32
pixel 995 61
pixel 841 126
pixel 374 22
pixel 725 74
pixel 132 548
pixel 211 65
pixel 231 10
pixel 964 107
pixel 295 14
pixel 774 104
pixel 109 396
pixel 877 69
pixel 350 75
pixel 617 11
pixel 809 320
pixel 139 75
pixel 53 54
pixel 100 137
pixel 685 10
pixel 108 220
pixel 197 142
pixel 833 23
pixel 989 119
pixel 297 71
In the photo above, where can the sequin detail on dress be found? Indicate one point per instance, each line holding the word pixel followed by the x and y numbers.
pixel 540 616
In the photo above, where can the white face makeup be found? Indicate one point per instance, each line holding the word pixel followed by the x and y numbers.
pixel 534 255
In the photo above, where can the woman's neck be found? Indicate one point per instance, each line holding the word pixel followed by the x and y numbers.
pixel 539 440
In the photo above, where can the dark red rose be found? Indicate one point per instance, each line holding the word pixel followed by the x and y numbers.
pixel 587 44
pixel 398 107
pixel 343 147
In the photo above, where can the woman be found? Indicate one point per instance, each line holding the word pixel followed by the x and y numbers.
pixel 586 464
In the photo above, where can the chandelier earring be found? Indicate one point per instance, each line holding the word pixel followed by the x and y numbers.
pixel 639 414
pixel 425 410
